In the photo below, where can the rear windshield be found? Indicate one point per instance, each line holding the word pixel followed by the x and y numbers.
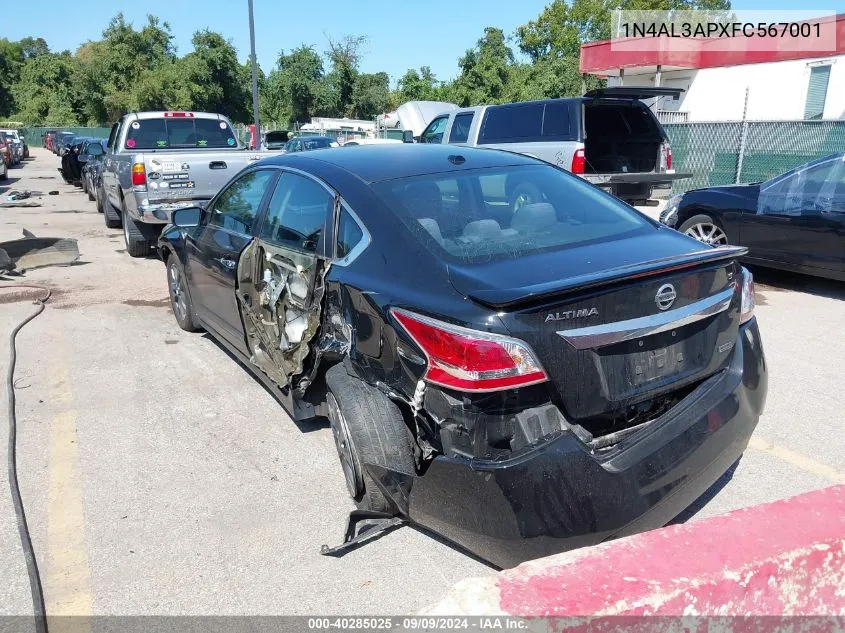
pixel 315 143
pixel 474 216
pixel 277 137
pixel 179 133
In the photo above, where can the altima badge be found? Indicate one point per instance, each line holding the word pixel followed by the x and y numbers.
pixel 665 296
pixel 571 314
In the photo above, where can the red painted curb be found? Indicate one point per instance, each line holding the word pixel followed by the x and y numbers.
pixel 782 558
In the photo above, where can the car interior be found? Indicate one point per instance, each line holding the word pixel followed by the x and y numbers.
pixel 500 212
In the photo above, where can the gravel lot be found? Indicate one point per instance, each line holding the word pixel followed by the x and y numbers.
pixel 160 478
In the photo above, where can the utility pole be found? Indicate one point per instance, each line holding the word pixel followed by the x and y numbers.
pixel 254 77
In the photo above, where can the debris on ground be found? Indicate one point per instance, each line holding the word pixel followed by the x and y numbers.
pixel 37 252
pixel 20 203
pixel 53 193
pixel 22 195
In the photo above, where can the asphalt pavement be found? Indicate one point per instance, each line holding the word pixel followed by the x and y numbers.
pixel 160 478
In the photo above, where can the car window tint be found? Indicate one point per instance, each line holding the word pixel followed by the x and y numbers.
pixel 179 132
pixel 434 132
pixel 297 213
pixel 478 215
pixel 809 191
pixel 238 205
pixel 348 234
pixel 557 122
pixel 512 123
pixel 460 128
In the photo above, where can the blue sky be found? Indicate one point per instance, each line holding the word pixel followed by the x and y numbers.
pixel 402 34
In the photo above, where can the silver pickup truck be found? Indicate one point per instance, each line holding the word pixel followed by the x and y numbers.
pixel 157 162
pixel 608 137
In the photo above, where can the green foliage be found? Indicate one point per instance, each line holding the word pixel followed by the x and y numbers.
pixel 138 69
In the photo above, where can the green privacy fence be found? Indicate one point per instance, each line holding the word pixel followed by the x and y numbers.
pixel 32 135
pixel 728 152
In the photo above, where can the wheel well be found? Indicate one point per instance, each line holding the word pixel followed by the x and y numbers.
pixel 693 210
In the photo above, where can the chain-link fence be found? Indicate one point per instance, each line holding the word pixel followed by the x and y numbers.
pixel 728 152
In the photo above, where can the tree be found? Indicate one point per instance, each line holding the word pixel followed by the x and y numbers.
pixel 33 47
pixel 418 86
pixel 215 78
pixel 484 70
pixel 344 55
pixel 11 59
pixel 294 87
pixel 370 95
pixel 44 90
pixel 563 26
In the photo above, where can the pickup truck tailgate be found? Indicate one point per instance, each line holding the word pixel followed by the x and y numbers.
pixel 193 175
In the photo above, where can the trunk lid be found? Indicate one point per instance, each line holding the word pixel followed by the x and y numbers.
pixel 621 336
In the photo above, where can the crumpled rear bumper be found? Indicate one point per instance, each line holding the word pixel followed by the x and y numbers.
pixel 559 496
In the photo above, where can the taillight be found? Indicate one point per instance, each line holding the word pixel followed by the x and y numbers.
pixel 665 157
pixel 746 280
pixel 469 360
pixel 578 162
pixel 139 174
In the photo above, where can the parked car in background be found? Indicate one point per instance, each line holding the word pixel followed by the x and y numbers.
pixel 609 137
pixel 5 162
pixel 91 156
pixel 520 380
pixel 275 140
pixel 157 162
pixel 308 143
pixel 48 138
pixel 63 139
pixel 795 221
pixel 11 139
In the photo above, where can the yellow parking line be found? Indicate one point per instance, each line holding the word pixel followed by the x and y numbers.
pixel 797 459
pixel 67 586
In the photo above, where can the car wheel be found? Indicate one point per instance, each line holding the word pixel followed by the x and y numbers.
pixel 368 428
pixel 111 215
pixel 705 229
pixel 180 299
pixel 523 194
pixel 99 199
pixel 137 244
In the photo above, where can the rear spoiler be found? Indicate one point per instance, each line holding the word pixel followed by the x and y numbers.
pixel 511 297
pixel 634 92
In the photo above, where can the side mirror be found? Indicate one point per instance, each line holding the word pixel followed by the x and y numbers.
pixel 187 217
pixel 407 136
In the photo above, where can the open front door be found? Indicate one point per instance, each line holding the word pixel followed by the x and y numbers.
pixel 281 278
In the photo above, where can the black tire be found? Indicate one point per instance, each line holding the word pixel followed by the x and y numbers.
pixel 111 215
pixel 375 432
pixel 703 220
pixel 185 315
pixel 525 193
pixel 99 199
pixel 137 244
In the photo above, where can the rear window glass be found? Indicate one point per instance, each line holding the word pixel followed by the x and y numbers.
pixel 315 143
pixel 177 133
pixel 477 215
pixel 614 121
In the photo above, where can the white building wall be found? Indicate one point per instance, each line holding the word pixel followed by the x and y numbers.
pixel 776 91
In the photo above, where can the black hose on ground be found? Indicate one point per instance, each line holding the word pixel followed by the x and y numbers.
pixel 23 529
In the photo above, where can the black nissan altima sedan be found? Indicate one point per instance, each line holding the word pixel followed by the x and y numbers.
pixel 795 221
pixel 520 374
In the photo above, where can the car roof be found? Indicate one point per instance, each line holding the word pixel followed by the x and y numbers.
pixel 374 163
